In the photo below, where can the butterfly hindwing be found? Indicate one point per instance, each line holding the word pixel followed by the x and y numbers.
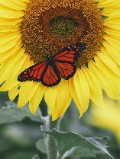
pixel 50 76
pixel 66 70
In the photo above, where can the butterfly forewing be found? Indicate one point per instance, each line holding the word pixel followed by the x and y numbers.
pixel 65 61
pixel 33 73
pixel 70 54
pixel 66 56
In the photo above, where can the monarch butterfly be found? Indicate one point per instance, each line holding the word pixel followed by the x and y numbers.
pixel 49 72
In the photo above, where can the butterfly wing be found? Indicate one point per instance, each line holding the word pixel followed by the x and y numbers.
pixel 65 61
pixel 50 76
pixel 66 70
pixel 33 73
pixel 71 53
pixel 49 73
pixel 41 72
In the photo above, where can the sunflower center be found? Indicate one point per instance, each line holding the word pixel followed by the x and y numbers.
pixel 63 27
pixel 49 26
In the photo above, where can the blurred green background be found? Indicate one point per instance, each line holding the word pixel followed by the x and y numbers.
pixel 23 139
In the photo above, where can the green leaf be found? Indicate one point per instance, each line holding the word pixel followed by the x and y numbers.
pixel 40 145
pixel 74 145
pixel 17 154
pixel 35 157
pixel 4 146
pixel 10 114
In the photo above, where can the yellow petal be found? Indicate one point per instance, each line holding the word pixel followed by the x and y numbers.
pixel 114 75
pixel 106 62
pixel 8 37
pixel 113 52
pixel 114 42
pixel 84 89
pixel 112 33
pixel 63 100
pixel 16 5
pixel 9 29
pixel 7 21
pixel 8 85
pixel 109 3
pixel 100 116
pixel 12 93
pixel 10 13
pixel 8 41
pixel 94 86
pixel 8 66
pixel 50 97
pixel 26 92
pixel 36 99
pixel 80 91
pixel 75 97
pixel 11 80
pixel 10 52
pixel 105 79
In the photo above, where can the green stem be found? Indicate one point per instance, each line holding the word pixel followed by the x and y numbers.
pixel 49 141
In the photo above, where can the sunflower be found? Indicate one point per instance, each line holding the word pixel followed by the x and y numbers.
pixel 107 116
pixel 30 30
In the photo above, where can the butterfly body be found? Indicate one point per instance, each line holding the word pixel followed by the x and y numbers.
pixel 50 72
